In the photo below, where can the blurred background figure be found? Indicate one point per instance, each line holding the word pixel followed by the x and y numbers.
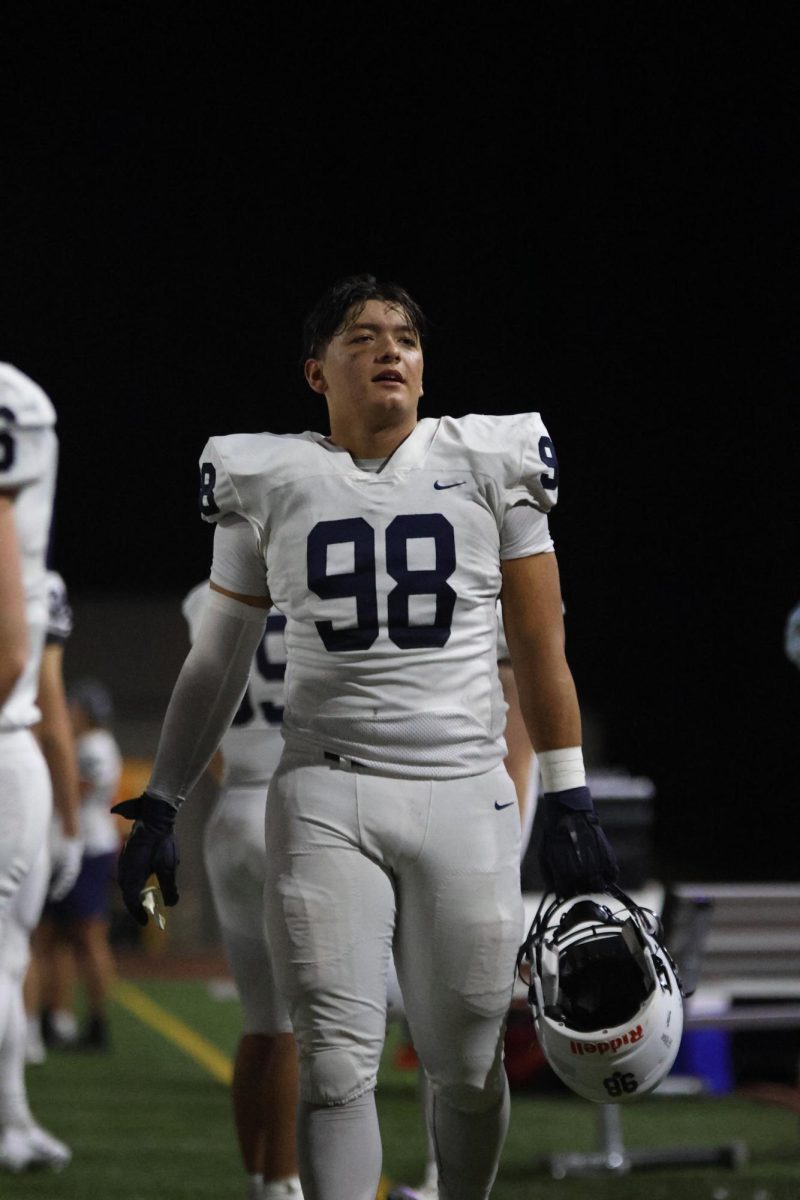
pixel 72 941
pixel 54 734
pixel 791 636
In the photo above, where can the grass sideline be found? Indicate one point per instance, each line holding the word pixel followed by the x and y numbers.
pixel 149 1122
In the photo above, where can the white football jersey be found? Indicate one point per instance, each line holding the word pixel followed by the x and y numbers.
pixel 252 746
pixel 389 581
pixel 28 467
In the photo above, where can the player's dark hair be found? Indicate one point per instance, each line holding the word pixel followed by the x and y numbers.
pixel 344 300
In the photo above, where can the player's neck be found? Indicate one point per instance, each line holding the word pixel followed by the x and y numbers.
pixel 371 443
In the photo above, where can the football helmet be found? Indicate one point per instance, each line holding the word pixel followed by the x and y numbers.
pixel 606 996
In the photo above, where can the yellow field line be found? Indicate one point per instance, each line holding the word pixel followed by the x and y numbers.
pixel 192 1044
pixel 203 1052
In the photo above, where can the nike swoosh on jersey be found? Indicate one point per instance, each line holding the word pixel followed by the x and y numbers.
pixel 499 806
pixel 440 487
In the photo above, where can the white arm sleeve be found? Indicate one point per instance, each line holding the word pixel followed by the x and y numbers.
pixel 206 695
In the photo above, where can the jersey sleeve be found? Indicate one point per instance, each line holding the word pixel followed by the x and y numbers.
pixel 529 488
pixel 532 477
pixel 237 564
pixel 218 493
pixel 233 469
pixel 26 418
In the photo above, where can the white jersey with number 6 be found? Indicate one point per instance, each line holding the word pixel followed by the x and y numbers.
pixel 389 581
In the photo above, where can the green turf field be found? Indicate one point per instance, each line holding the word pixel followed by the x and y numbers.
pixel 149 1122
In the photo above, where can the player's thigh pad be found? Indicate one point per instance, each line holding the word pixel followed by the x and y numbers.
pixel 25 808
pixel 330 915
pixel 460 924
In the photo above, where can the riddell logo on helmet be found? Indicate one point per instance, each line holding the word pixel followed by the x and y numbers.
pixel 611 1047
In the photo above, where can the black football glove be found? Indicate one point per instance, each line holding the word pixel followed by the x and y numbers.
pixel 574 853
pixel 151 849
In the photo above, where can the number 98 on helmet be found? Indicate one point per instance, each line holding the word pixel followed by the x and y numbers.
pixel 606 997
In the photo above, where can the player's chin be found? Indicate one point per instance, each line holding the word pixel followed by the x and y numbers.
pixel 396 398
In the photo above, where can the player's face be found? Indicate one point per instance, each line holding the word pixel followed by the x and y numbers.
pixel 371 372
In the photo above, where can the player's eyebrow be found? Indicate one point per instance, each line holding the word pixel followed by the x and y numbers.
pixel 372 327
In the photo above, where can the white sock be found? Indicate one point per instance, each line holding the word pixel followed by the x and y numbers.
pixel 65 1023
pixel 255 1187
pixel 13 1097
pixel 287 1188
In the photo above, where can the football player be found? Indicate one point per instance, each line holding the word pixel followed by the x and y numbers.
pixel 265 1077
pixel 74 930
pixel 28 468
pixel 391 819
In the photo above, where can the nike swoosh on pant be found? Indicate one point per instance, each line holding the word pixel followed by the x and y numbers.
pixel 499 806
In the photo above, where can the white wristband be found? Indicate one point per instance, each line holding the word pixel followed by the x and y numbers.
pixel 562 769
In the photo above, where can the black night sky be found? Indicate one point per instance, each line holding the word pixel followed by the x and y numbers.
pixel 596 204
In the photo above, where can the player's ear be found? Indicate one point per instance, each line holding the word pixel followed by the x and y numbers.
pixel 315 377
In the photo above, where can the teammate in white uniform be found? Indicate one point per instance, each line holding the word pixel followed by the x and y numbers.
pixel 391 821
pixel 28 467
pixel 54 733
pixel 265 1082
pixel 75 927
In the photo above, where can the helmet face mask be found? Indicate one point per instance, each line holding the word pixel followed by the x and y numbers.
pixel 606 997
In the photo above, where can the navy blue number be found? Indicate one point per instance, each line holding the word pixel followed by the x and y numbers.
pixel 359 583
pixel 420 582
pixel 547 453
pixel 272 671
pixel 7 447
pixel 208 477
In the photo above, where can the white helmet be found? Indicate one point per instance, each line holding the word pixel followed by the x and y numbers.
pixel 606 996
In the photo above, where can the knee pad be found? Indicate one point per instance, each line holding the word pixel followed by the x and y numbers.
pixel 332 1076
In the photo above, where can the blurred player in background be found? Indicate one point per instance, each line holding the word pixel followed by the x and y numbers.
pixel 265 1077
pixel 72 941
pixel 55 736
pixel 391 820
pixel 28 470
pixel 791 636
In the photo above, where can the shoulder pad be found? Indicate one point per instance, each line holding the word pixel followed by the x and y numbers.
pixel 515 451
pixel 230 464
pixel 22 402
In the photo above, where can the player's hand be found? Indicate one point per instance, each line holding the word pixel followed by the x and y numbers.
pixel 66 856
pixel 151 849
pixel 574 853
